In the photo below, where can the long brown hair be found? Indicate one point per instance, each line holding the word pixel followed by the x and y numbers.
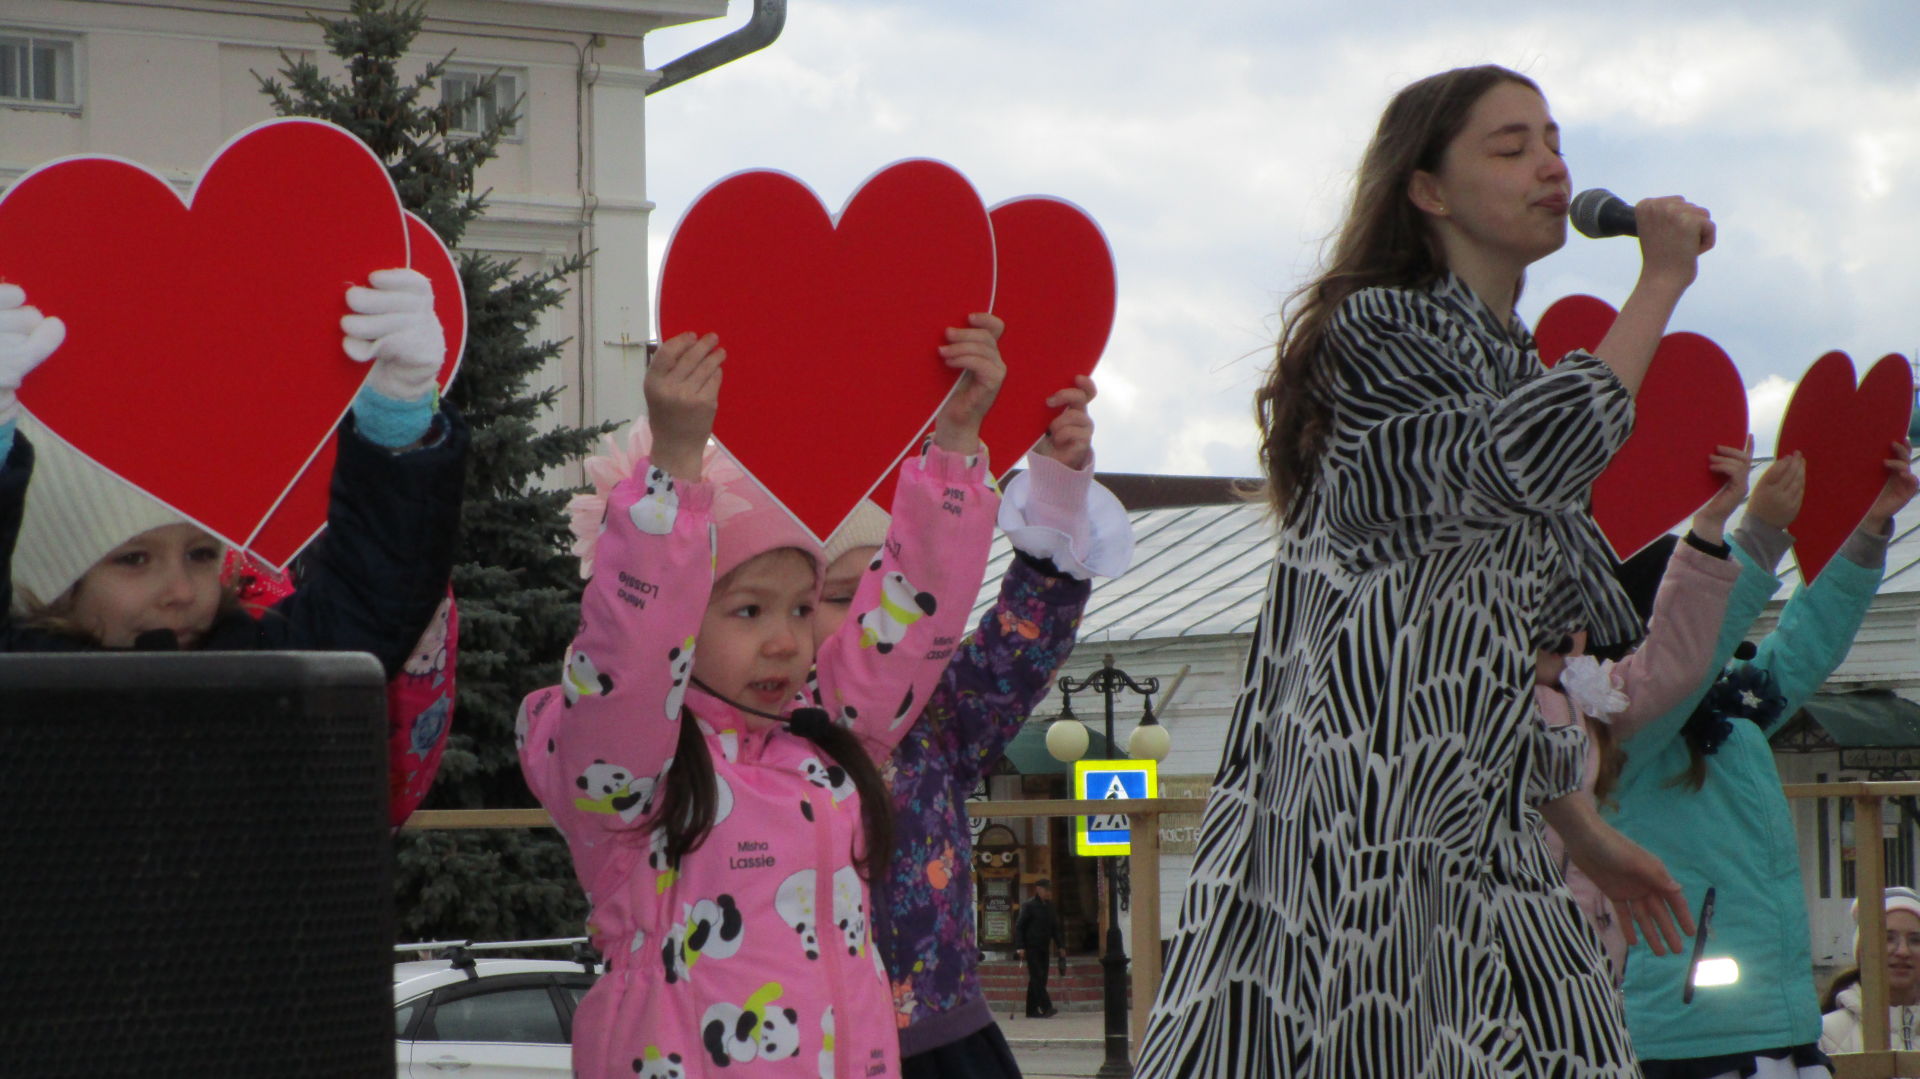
pixel 1384 241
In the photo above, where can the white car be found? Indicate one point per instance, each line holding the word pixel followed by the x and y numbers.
pixel 487 1018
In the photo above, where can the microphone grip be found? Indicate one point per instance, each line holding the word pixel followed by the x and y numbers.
pixel 1616 218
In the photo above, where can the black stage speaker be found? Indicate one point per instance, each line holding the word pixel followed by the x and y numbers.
pixel 195 865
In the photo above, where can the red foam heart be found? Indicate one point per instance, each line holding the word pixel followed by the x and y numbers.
pixel 179 312
pixel 303 513
pixel 1055 290
pixel 1844 433
pixel 1690 403
pixel 832 326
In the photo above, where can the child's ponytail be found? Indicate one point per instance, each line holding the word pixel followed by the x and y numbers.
pixel 689 796
pixel 876 802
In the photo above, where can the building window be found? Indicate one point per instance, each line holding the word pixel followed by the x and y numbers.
pixel 37 70
pixel 478 104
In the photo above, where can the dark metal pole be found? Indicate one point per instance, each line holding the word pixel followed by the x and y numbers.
pixel 1109 681
pixel 1118 1064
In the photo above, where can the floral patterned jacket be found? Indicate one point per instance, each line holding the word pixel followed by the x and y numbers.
pixel 926 905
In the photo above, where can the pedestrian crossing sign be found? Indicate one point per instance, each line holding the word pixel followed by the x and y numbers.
pixel 1108 833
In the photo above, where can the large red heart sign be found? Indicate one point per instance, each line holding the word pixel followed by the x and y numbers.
pixel 178 312
pixel 832 327
pixel 1054 288
pixel 303 513
pixel 1690 402
pixel 1844 433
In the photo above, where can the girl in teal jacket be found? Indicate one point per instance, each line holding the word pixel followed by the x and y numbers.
pixel 1699 789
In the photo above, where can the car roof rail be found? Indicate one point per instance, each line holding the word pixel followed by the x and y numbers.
pixel 460 952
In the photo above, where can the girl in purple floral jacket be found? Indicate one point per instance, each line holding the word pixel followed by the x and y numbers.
pixel 1065 529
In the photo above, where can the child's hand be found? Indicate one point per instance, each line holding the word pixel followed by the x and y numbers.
pixel 27 338
pixel 1069 438
pixel 975 353
pixel 1897 492
pixel 393 325
pixel 1710 523
pixel 1776 497
pixel 683 393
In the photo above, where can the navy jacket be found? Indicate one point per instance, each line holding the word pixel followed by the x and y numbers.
pixel 369 584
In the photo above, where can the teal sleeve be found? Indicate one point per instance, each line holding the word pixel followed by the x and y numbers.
pixel 1751 592
pixel 390 422
pixel 6 437
pixel 1816 629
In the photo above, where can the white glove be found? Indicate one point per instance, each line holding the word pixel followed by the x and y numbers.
pixel 26 339
pixel 394 326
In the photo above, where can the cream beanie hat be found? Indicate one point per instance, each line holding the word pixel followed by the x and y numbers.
pixel 866 526
pixel 76 513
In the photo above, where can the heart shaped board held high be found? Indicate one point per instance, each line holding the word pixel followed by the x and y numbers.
pixel 1055 290
pixel 302 514
pixel 1690 402
pixel 202 361
pixel 832 325
pixel 1845 432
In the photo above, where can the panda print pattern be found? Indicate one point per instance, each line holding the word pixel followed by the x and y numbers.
pixel 761 1029
pixel 828 776
pixel 1370 895
pixel 710 928
pixel 901 605
pixel 653 1064
pixel 581 679
pixel 655 511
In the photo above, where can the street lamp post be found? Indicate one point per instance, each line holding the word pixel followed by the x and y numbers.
pixel 1110 681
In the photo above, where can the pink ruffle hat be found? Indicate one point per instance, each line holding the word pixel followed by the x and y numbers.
pixel 748 522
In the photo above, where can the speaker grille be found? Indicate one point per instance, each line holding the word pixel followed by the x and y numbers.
pixel 195 869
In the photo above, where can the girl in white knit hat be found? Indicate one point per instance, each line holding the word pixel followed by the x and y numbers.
pixel 1840 1028
pixel 88 560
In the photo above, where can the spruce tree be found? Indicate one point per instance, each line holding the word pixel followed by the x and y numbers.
pixel 516 585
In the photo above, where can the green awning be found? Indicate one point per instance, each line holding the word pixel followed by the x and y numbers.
pixel 1028 755
pixel 1876 718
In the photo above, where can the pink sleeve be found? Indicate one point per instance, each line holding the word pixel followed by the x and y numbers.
pixel 915 602
pixel 1670 664
pixel 593 746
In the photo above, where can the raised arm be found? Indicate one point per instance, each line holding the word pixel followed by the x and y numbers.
pixel 1688 609
pixel 593 747
pixel 911 608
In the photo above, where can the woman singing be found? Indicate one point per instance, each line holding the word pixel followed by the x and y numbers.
pixel 1370 895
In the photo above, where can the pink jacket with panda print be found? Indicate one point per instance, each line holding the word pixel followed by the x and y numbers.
pixel 754 957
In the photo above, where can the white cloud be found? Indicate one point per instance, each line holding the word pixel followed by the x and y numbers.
pixel 1766 405
pixel 1216 149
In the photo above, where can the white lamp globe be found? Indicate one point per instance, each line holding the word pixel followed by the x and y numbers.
pixel 1067 739
pixel 1149 742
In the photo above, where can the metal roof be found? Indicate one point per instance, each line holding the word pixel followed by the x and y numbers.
pixel 1197 571
pixel 1202 571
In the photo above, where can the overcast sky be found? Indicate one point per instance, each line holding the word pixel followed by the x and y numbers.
pixel 1215 143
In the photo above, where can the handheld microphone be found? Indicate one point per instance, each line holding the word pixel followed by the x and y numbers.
pixel 1599 213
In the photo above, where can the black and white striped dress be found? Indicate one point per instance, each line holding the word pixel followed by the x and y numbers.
pixel 1370 896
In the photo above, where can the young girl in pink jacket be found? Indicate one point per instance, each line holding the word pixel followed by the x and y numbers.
pixel 724 834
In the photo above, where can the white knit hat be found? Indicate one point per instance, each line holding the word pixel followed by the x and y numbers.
pixel 865 527
pixel 1898 898
pixel 76 513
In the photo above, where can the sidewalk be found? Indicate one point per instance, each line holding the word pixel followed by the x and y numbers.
pixel 1066 1030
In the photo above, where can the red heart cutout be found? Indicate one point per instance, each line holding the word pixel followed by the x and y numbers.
pixel 1844 433
pixel 1690 403
pixel 1054 287
pixel 303 513
pixel 178 312
pixel 832 326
